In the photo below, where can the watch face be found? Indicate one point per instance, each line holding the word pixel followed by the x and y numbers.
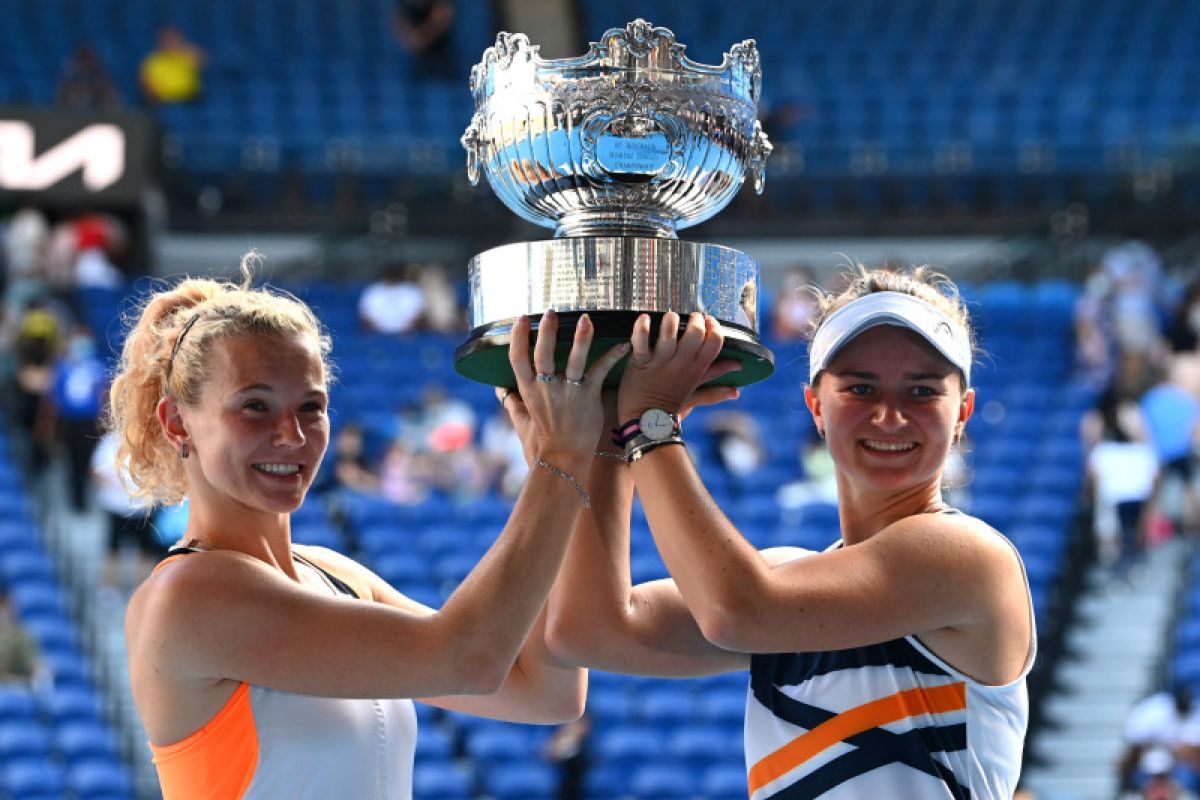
pixel 657 424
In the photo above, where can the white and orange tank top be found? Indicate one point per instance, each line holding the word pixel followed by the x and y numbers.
pixel 265 744
pixel 884 720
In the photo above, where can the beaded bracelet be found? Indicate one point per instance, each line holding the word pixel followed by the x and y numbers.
pixel 587 501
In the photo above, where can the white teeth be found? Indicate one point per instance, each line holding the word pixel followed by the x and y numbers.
pixel 278 469
pixel 889 446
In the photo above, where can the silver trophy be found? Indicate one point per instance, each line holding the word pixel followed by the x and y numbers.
pixel 616 150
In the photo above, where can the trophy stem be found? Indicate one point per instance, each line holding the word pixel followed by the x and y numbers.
pixel 593 222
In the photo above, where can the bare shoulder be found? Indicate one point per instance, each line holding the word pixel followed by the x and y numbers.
pixel 964 540
pixel 172 605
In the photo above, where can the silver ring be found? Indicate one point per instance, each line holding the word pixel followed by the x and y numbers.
pixel 504 396
pixel 575 381
pixel 547 377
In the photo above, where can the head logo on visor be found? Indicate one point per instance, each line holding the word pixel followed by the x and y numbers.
pixel 890 308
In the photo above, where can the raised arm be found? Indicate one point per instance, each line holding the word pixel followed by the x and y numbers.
pixel 922 574
pixel 596 617
pixel 224 615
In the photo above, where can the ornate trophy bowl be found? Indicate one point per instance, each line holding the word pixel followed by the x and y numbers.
pixel 616 150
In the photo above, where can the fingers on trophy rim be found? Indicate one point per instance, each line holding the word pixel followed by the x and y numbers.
pixel 577 358
pixel 668 329
pixel 604 365
pixel 543 350
pixel 518 350
pixel 639 339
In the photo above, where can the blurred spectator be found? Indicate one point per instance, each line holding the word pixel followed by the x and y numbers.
pixel 35 346
pixel 404 475
pixel 819 482
pixel 129 524
pixel 75 400
pixel 791 319
pixel 1136 271
pixel 171 73
pixel 1093 334
pixel 394 303
pixel 957 475
pixel 1160 777
pixel 443 422
pixel 501 449
pixel 457 466
pixel 19 662
pixel 1134 375
pixel 85 83
pixel 1184 329
pixel 443 314
pixel 1122 473
pixel 351 469
pixel 737 445
pixel 1165 724
pixel 1172 416
pixel 567 747
pixel 425 29
pixel 100 239
pixel 25 238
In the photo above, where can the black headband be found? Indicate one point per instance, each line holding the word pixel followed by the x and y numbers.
pixel 187 326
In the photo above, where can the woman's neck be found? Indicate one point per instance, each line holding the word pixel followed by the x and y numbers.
pixel 266 537
pixel 865 514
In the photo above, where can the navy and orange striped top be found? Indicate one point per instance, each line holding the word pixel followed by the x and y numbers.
pixel 884 720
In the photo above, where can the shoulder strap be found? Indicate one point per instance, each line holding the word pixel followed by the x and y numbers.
pixel 337 582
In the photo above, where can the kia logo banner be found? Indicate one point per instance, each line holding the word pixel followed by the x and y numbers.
pixel 59 157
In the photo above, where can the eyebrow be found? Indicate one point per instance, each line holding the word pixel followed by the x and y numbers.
pixel 263 387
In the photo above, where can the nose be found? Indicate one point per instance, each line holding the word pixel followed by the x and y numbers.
pixel 289 432
pixel 889 414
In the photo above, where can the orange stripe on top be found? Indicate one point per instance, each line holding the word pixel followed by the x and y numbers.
pixel 909 703
pixel 218 761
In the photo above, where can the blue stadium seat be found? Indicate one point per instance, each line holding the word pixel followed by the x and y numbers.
pixel 440 779
pixel 527 780
pixel 68 704
pixel 35 778
pixel 84 741
pixel 19 740
pixel 629 743
pixel 100 779
pixel 17 704
pixel 666 781
pixel 725 782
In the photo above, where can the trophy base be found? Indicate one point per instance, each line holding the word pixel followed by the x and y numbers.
pixel 484 356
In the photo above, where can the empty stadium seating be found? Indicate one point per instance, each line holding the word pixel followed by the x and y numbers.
pixel 936 91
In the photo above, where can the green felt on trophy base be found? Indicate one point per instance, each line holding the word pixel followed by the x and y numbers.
pixel 485 358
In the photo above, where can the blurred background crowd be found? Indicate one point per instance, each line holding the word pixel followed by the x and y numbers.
pixel 1043 153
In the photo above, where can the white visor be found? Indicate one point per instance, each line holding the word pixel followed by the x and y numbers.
pixel 890 308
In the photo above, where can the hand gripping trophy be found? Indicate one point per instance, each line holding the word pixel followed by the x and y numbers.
pixel 616 150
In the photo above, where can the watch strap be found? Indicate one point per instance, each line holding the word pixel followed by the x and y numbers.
pixel 626 432
pixel 640 445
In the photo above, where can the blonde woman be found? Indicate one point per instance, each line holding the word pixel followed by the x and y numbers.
pixel 265 669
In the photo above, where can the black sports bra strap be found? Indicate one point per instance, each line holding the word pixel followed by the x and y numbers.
pixel 338 584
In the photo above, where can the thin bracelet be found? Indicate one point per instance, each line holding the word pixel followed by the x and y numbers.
pixel 613 454
pixel 587 501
